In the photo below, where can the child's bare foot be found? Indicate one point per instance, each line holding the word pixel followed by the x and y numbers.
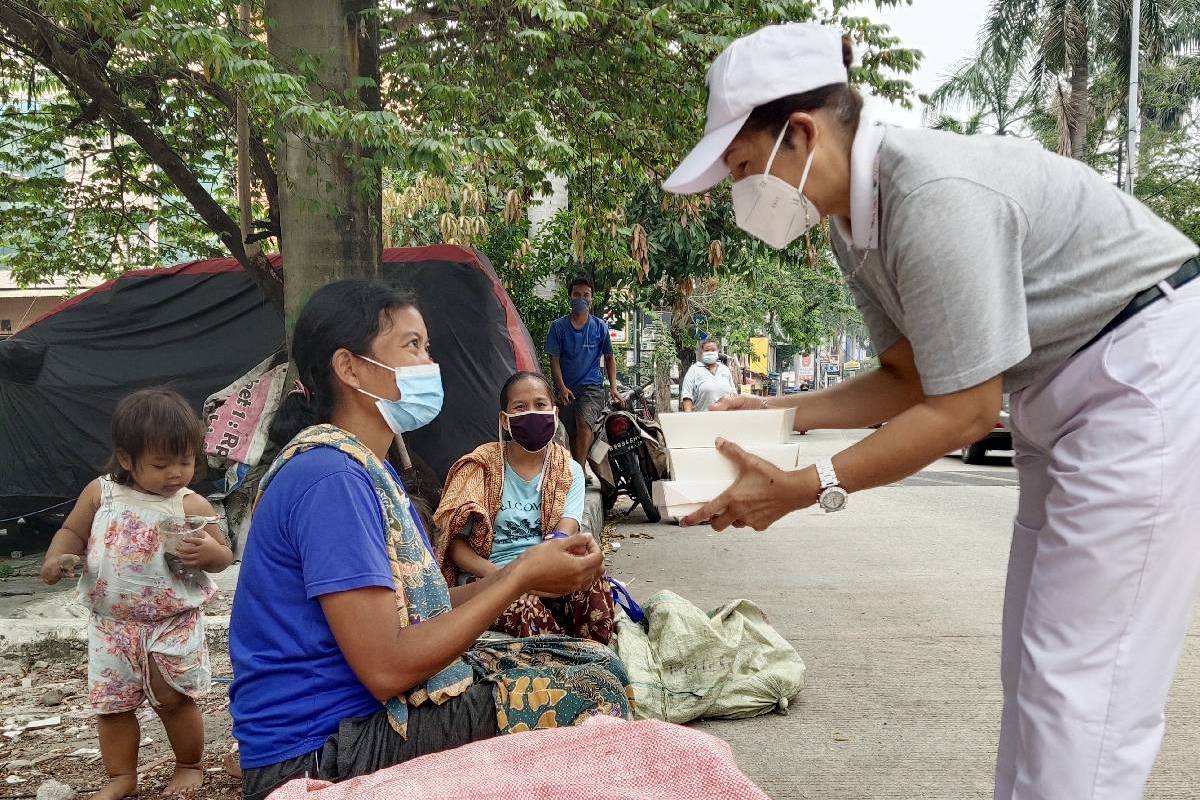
pixel 117 788
pixel 187 776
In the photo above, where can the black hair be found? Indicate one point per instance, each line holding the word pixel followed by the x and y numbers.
pixel 845 103
pixel 346 314
pixel 516 378
pixel 580 281
pixel 154 420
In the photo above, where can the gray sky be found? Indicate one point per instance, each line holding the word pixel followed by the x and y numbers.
pixel 944 30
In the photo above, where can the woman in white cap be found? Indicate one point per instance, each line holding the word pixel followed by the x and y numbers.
pixel 984 265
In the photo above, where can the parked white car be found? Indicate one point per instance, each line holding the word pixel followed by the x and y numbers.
pixel 999 439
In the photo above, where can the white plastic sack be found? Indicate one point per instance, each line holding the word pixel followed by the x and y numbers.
pixel 729 663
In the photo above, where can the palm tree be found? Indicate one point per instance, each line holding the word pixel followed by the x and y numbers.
pixel 1056 36
pixel 1072 37
pixel 947 122
pixel 1170 90
pixel 994 85
pixel 1169 28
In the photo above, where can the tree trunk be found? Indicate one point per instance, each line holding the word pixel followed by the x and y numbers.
pixel 242 121
pixel 662 385
pixel 685 353
pixel 1080 117
pixel 662 369
pixel 330 229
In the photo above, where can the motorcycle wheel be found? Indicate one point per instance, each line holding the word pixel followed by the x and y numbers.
pixel 631 467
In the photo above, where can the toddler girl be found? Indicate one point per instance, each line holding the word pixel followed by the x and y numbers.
pixel 146 631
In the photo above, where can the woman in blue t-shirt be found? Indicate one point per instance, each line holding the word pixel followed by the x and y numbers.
pixel 349 651
pixel 506 497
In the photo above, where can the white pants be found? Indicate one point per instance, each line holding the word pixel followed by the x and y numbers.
pixel 1105 561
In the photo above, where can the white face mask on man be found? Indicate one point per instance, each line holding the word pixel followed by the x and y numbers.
pixel 771 209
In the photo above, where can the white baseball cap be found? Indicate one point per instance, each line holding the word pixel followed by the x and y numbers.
pixel 774 62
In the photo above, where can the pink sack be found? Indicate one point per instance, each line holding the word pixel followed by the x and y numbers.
pixel 239 415
pixel 604 759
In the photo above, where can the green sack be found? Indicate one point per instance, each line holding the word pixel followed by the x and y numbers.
pixel 686 664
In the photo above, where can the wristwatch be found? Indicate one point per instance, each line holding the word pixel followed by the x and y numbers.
pixel 833 496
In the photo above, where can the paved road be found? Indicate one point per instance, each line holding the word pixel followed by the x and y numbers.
pixel 894 605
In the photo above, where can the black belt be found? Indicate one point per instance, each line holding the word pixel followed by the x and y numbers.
pixel 1145 298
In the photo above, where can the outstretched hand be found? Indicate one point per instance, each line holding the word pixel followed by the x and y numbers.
pixel 761 494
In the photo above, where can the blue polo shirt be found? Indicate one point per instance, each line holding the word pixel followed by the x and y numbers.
pixel 318 530
pixel 579 351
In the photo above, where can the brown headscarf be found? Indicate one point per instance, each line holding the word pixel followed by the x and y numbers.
pixel 473 489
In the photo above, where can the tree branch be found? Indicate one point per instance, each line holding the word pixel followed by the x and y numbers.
pixel 402 22
pixel 258 151
pixel 39 37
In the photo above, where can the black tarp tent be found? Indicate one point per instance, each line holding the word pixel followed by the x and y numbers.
pixel 197 327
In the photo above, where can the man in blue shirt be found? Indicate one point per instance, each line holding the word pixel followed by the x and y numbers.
pixel 575 344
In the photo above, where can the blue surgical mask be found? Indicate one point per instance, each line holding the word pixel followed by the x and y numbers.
pixel 580 305
pixel 710 357
pixel 420 397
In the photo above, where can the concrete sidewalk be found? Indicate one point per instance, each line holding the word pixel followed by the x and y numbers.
pixel 894 605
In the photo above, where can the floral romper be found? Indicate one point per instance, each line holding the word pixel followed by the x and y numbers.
pixel 139 606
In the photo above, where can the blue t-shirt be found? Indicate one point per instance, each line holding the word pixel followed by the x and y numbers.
pixel 579 351
pixel 318 530
pixel 518 524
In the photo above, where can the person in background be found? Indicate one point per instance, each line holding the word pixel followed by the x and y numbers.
pixel 146 630
pixel 505 498
pixel 706 381
pixel 575 344
pixel 350 653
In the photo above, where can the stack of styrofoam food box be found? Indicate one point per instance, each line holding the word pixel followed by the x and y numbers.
pixel 699 472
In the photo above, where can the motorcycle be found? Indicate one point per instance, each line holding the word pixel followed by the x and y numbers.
pixel 629 452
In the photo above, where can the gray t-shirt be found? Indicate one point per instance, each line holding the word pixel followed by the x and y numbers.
pixel 998 257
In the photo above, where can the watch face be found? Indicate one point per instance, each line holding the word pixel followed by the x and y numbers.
pixel 833 499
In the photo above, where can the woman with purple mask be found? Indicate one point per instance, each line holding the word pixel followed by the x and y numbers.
pixel 510 495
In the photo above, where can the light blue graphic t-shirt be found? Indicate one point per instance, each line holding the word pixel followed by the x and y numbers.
pixel 519 522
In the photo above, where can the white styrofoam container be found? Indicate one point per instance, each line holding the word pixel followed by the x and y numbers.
pixel 747 428
pixel 707 463
pixel 677 499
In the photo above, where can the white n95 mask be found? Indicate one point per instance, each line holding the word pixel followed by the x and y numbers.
pixel 771 209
